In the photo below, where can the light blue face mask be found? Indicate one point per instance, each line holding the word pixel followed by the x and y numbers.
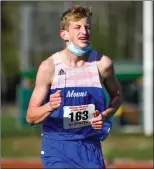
pixel 77 51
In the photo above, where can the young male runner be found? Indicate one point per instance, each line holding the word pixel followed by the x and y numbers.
pixel 69 100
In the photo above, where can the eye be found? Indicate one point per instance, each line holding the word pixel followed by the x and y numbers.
pixel 77 27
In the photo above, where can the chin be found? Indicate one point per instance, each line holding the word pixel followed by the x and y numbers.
pixel 83 45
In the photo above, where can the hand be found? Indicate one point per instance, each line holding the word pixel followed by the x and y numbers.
pixel 97 121
pixel 55 99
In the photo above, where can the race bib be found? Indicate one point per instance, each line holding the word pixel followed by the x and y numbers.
pixel 78 116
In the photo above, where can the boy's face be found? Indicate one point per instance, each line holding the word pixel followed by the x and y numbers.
pixel 79 32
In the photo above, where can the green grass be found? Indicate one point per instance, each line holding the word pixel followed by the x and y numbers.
pixel 18 142
pixel 130 146
pixel 21 147
pixel 11 128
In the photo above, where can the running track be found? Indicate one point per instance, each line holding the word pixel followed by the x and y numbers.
pixel 116 165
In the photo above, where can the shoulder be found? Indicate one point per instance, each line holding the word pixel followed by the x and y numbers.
pixel 105 65
pixel 47 65
pixel 46 69
pixel 104 60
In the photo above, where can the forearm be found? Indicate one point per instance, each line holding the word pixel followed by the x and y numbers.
pixel 113 107
pixel 38 114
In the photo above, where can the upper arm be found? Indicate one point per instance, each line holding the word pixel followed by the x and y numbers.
pixel 108 77
pixel 43 83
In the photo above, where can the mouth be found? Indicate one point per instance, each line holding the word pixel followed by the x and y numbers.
pixel 84 39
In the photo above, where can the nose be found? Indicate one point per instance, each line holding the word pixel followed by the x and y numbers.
pixel 83 30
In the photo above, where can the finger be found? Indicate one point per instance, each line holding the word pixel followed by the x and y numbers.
pixel 96 119
pixel 58 92
pixel 55 102
pixel 55 99
pixel 96 113
pixel 97 123
pixel 55 106
pixel 97 126
pixel 54 96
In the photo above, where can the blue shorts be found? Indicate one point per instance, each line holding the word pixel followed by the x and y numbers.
pixel 71 154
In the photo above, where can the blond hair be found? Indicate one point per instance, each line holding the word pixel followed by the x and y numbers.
pixel 75 13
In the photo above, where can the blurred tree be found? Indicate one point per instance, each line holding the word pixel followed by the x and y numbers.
pixel 9 47
pixel 9 50
pixel 117 29
pixel 100 27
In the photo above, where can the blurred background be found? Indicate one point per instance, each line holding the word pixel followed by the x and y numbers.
pixel 30 34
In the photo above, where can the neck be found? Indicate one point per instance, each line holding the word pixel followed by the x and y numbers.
pixel 73 60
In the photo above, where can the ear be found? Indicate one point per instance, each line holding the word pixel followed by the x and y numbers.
pixel 64 35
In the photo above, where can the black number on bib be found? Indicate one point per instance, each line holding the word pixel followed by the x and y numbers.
pixel 79 115
pixel 72 116
pixel 85 113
